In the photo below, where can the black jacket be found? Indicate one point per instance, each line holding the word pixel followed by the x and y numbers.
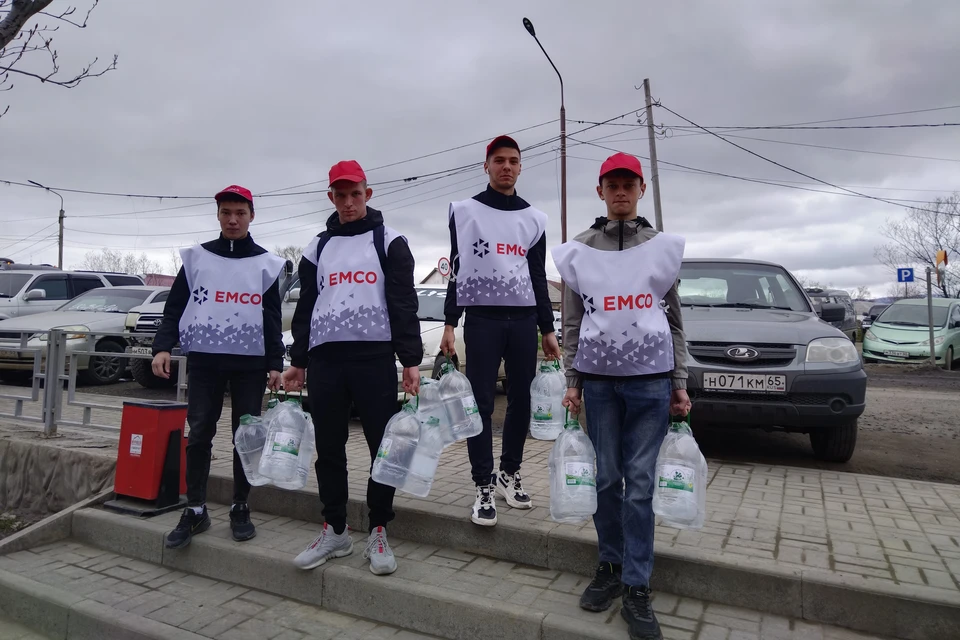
pixel 169 332
pixel 402 304
pixel 536 259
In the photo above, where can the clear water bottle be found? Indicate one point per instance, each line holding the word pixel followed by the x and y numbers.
pixel 573 477
pixel 680 493
pixel 397 448
pixel 248 441
pixel 461 407
pixel 286 424
pixel 431 411
pixel 304 459
pixel 546 402
pixel 423 465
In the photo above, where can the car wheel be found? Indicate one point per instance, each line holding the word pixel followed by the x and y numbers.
pixel 948 360
pixel 105 369
pixel 835 444
pixel 142 371
pixel 442 360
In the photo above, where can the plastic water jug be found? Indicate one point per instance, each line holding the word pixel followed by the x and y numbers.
pixel 431 410
pixel 461 407
pixel 680 493
pixel 248 441
pixel 573 477
pixel 304 459
pixel 397 448
pixel 546 402
pixel 433 438
pixel 286 425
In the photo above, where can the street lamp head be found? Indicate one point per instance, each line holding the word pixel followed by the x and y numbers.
pixel 529 27
pixel 33 182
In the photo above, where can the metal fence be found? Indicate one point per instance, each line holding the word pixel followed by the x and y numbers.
pixel 54 359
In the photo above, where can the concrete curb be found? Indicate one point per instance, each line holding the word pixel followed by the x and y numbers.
pixel 59 614
pixel 52 528
pixel 912 612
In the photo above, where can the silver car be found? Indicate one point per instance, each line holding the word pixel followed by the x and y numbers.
pixel 760 355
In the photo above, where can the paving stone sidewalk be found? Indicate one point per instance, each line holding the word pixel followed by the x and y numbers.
pixel 10 630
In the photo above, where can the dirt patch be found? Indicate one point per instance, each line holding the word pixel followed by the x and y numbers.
pixel 13 521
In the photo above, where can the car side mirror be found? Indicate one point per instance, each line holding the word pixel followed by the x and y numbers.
pixel 294 294
pixel 35 294
pixel 832 312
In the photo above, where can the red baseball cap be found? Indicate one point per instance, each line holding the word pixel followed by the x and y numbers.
pixel 243 192
pixel 502 141
pixel 621 161
pixel 349 170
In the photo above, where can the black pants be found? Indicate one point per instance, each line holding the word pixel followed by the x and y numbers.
pixel 371 386
pixel 487 342
pixel 204 405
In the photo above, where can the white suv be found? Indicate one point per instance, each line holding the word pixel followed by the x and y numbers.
pixel 25 291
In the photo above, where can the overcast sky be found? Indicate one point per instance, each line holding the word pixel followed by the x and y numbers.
pixel 269 95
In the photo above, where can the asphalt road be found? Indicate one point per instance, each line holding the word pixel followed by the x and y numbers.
pixel 911 428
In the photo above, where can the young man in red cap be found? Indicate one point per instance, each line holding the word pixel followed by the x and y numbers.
pixel 498 247
pixel 635 324
pixel 357 308
pixel 224 309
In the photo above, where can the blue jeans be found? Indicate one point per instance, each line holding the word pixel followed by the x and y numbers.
pixel 626 421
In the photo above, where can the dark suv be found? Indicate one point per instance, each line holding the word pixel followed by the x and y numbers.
pixel 848 324
pixel 760 355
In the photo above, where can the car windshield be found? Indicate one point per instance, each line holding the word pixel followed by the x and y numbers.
pixel 747 286
pixel 876 310
pixel 431 304
pixel 913 315
pixel 109 300
pixel 11 283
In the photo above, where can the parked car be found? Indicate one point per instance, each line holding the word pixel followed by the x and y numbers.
pixel 100 310
pixel 431 316
pixel 902 333
pixel 146 319
pixel 872 315
pixel 759 355
pixel 847 324
pixel 31 289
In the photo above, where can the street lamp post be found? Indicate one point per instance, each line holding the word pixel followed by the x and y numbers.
pixel 60 235
pixel 563 137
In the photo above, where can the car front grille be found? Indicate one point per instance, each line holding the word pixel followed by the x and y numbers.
pixel 771 355
pixel 799 399
pixel 148 323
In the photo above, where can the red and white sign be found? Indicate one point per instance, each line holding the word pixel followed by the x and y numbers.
pixel 443 267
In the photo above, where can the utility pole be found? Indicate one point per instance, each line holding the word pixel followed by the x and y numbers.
pixel 654 172
pixel 59 220
pixel 933 351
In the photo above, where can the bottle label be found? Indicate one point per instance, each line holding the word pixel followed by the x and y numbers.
pixel 470 405
pixel 673 476
pixel 384 450
pixel 286 442
pixel 432 421
pixel 579 474
pixel 543 411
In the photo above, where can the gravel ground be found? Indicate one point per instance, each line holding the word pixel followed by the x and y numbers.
pixel 911 428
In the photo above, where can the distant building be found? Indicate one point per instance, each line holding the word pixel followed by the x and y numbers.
pixel 434 277
pixel 555 295
pixel 158 280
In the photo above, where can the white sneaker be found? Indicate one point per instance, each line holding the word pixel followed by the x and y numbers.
pixel 484 508
pixel 382 560
pixel 511 488
pixel 327 545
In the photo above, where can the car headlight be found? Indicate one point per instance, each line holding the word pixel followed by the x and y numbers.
pixel 73 332
pixel 870 335
pixel 936 341
pixel 130 323
pixel 832 350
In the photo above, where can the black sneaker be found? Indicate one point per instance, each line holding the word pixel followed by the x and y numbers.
pixel 604 587
pixel 190 523
pixel 484 508
pixel 637 610
pixel 240 525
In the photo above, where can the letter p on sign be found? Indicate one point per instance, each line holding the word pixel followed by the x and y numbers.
pixel 904 275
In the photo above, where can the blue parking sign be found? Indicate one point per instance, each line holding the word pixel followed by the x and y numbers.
pixel 904 275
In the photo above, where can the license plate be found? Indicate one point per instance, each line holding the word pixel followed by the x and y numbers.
pixel 143 351
pixel 743 382
pixel 896 354
pixel 9 355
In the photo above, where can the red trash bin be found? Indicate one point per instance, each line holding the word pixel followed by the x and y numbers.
pixel 151 459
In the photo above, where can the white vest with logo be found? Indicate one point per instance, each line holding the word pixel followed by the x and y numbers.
pixel 493 246
pixel 351 293
pixel 224 313
pixel 624 331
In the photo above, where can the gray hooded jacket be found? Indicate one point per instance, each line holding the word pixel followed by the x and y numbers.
pixel 617 235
